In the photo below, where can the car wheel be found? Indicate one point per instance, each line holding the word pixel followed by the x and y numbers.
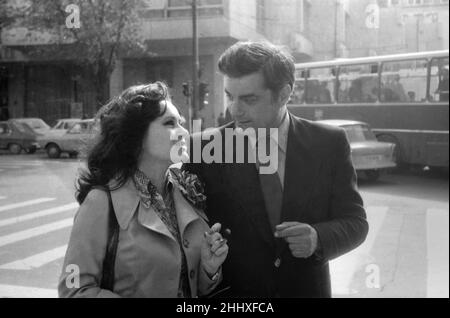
pixel 372 175
pixel 73 155
pixel 30 150
pixel 15 149
pixel 53 151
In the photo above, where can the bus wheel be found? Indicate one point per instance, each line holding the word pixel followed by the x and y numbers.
pixel 15 149
pixel 372 175
pixel 398 155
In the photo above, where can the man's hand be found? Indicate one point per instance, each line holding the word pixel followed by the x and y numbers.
pixel 214 250
pixel 302 238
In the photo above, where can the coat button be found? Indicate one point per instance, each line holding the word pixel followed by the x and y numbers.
pixel 192 274
pixel 186 243
pixel 277 263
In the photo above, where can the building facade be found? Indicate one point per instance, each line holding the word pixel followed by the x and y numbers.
pixel 52 89
pixel 399 26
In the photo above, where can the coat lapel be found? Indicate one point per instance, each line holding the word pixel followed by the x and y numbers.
pixel 148 218
pixel 186 213
pixel 299 177
pixel 244 184
pixel 126 201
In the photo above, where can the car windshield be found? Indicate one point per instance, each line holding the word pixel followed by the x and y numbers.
pixel 64 124
pixel 35 123
pixel 23 128
pixel 83 127
pixel 59 125
pixel 359 133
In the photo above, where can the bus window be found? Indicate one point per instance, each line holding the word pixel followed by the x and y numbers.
pixel 320 86
pixel 439 80
pixel 358 84
pixel 404 81
pixel 298 95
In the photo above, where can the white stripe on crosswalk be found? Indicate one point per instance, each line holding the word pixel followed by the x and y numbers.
pixel 343 268
pixel 33 164
pixel 11 166
pixel 24 204
pixel 35 215
pixel 437 253
pixel 11 291
pixel 2 198
pixel 37 260
pixel 33 232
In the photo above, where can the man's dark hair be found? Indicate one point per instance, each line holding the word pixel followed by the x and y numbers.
pixel 245 58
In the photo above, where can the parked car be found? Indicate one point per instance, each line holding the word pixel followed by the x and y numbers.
pixel 65 123
pixel 16 137
pixel 36 124
pixel 70 141
pixel 369 155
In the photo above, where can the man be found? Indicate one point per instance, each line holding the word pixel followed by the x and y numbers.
pixel 285 226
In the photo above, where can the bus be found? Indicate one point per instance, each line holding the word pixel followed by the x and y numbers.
pixel 403 97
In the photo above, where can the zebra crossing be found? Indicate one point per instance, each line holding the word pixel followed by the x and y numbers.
pixel 11 164
pixel 36 220
pixel 24 226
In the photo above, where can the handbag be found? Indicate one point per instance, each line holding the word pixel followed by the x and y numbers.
pixel 107 281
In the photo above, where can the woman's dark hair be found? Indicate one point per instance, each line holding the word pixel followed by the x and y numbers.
pixel 245 58
pixel 123 124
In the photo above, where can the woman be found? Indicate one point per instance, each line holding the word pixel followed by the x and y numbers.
pixel 165 247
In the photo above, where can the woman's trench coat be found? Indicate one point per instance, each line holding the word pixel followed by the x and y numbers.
pixel 148 261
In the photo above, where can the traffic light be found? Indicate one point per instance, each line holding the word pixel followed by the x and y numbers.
pixel 186 90
pixel 203 94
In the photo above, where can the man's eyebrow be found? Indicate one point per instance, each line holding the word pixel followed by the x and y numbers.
pixel 248 96
pixel 243 96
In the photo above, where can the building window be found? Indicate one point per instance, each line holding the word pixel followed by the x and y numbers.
pixel 182 8
pixel 383 3
pixel 154 9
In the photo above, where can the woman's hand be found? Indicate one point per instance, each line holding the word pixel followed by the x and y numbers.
pixel 214 250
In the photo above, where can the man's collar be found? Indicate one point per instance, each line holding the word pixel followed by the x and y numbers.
pixel 283 131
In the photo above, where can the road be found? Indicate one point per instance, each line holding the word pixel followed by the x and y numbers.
pixel 405 254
